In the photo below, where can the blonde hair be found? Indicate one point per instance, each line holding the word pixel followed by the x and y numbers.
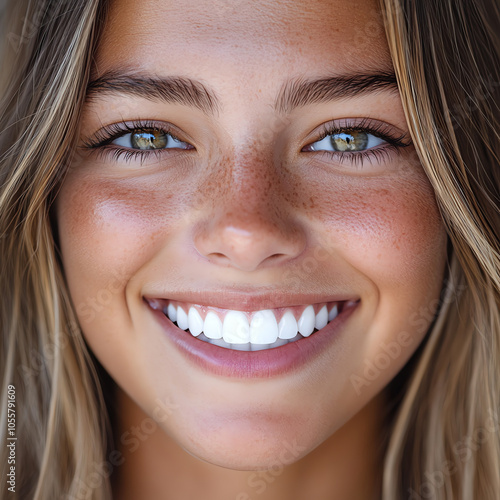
pixel 443 435
pixel 445 441
pixel 59 420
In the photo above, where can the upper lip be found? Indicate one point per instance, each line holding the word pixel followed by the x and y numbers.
pixel 250 301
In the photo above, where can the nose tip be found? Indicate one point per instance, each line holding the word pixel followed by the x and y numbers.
pixel 248 247
pixel 249 222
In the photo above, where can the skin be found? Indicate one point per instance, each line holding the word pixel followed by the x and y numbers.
pixel 212 218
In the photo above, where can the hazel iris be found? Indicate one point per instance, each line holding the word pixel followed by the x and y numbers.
pixel 149 139
pixel 353 140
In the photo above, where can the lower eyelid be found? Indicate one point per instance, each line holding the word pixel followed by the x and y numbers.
pixel 373 157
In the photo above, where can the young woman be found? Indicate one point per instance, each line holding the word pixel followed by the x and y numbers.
pixel 250 250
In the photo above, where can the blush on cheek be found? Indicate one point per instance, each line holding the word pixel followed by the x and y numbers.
pixel 107 230
pixel 106 223
pixel 391 232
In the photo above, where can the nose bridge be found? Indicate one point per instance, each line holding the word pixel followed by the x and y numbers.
pixel 248 221
pixel 243 187
pixel 254 184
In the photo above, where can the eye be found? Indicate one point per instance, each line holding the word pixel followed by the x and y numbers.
pixel 137 140
pixel 346 141
pixel 149 139
pixel 350 143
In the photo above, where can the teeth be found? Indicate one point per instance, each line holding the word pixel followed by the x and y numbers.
pixel 306 321
pixel 154 304
pixel 260 347
pixel 182 319
pixel 278 343
pixel 220 342
pixel 249 346
pixel 195 322
pixel 212 327
pixel 321 318
pixel 264 328
pixel 333 313
pixel 283 341
pixel 263 331
pixel 241 347
pixel 235 329
pixel 171 312
pixel 288 326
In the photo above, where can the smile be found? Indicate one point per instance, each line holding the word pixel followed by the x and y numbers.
pixel 256 348
pixel 250 331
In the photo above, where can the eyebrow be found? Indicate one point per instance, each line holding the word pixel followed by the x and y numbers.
pixel 173 89
pixel 188 92
pixel 302 92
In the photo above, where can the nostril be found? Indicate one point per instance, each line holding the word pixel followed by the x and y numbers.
pixel 218 255
pixel 221 258
pixel 276 256
pixel 247 246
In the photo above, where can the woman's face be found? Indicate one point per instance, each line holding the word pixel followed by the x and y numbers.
pixel 244 157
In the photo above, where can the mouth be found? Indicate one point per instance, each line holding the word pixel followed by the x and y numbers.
pixel 251 331
pixel 254 343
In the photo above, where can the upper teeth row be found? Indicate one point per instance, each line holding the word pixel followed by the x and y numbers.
pixel 262 329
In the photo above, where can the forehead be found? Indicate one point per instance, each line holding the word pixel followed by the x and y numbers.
pixel 244 36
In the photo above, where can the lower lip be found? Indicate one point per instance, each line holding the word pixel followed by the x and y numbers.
pixel 253 364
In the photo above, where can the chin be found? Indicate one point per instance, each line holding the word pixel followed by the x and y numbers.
pixel 248 449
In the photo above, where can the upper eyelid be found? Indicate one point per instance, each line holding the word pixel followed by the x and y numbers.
pixel 369 125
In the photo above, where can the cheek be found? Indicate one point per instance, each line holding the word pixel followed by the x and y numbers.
pixel 391 231
pixel 107 231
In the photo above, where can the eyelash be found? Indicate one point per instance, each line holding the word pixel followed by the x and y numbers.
pixel 378 153
pixel 100 143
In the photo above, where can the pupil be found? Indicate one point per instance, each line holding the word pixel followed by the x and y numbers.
pixel 355 140
pixel 152 139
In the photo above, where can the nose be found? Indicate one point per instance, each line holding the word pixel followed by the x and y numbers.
pixel 249 224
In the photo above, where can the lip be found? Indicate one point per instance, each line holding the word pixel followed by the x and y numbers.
pixel 267 363
pixel 249 301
